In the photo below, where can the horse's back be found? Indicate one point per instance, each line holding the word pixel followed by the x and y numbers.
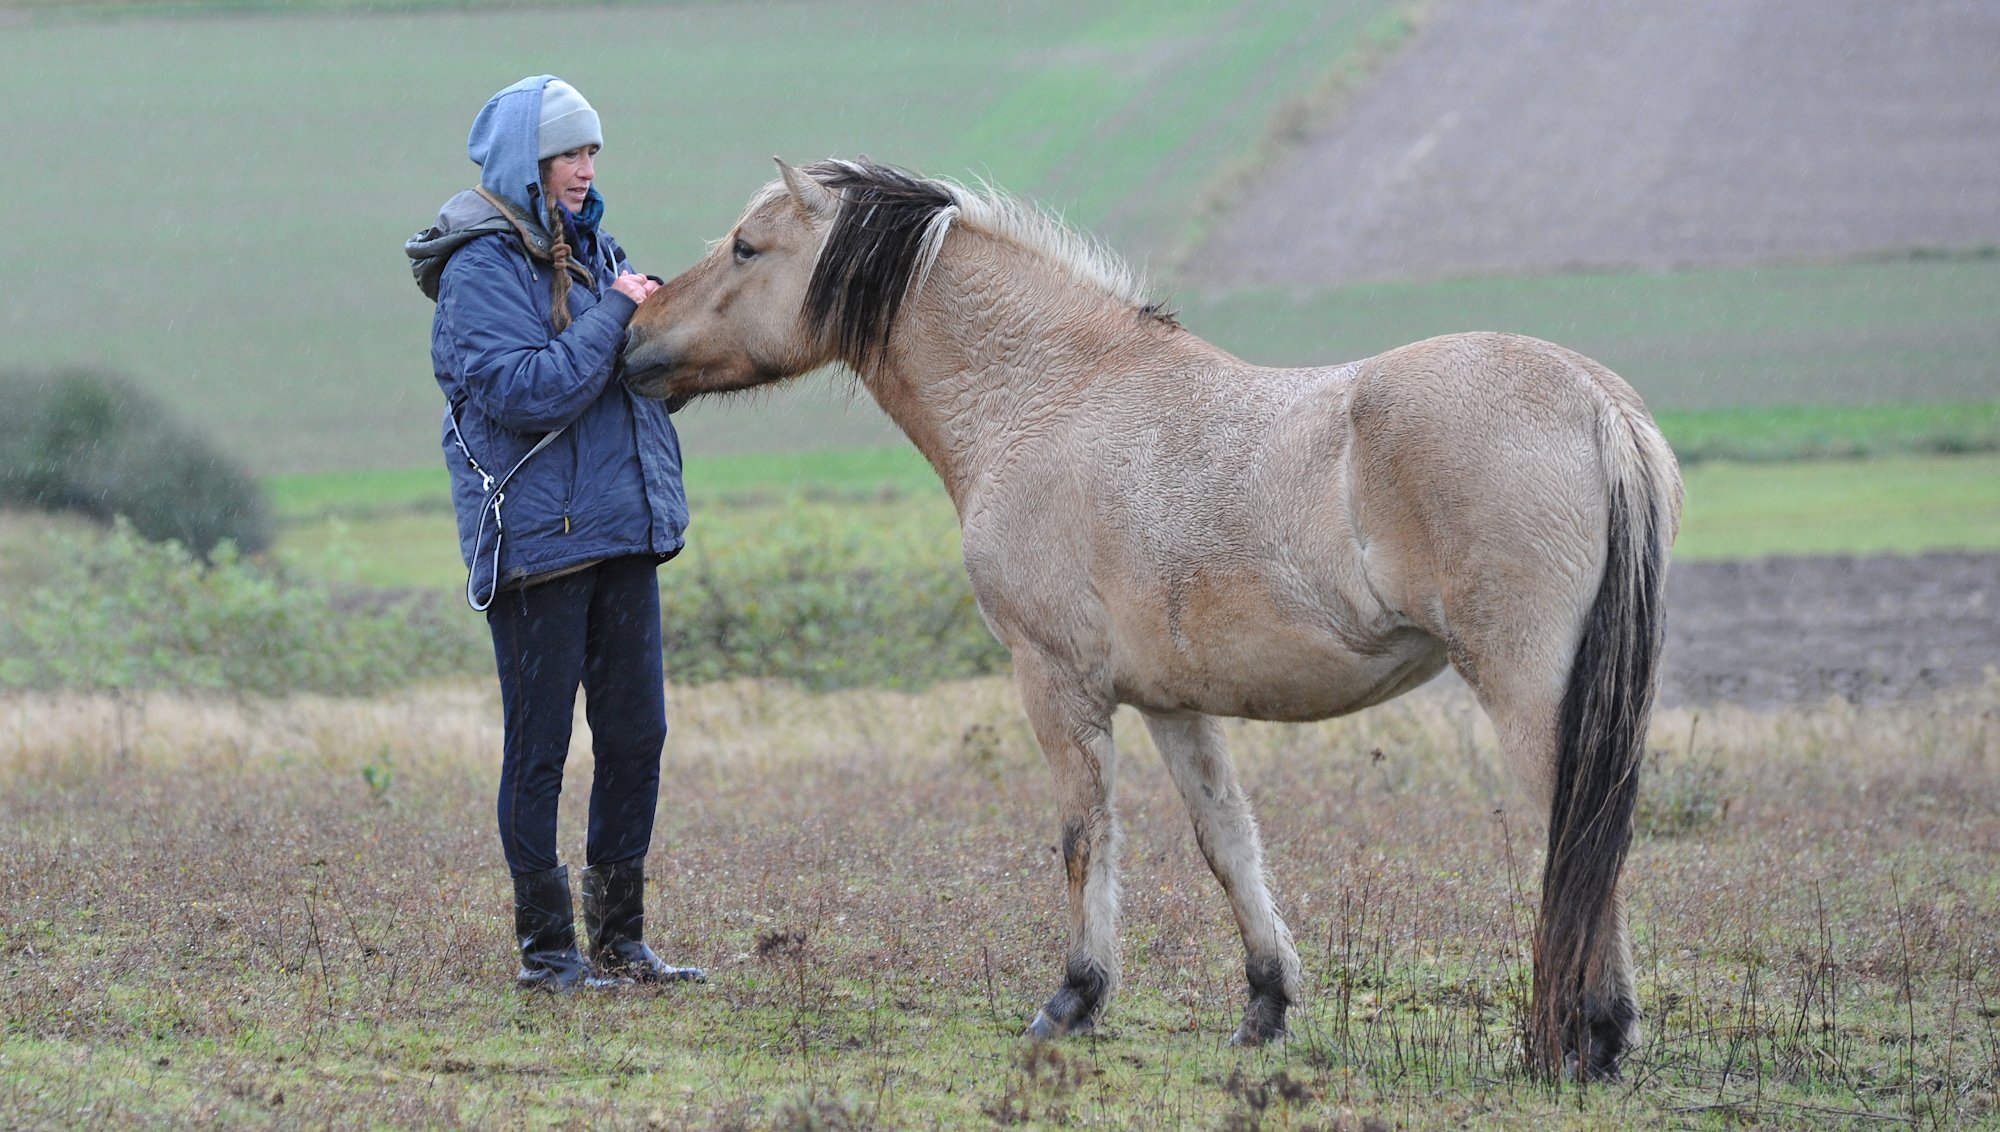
pixel 1447 498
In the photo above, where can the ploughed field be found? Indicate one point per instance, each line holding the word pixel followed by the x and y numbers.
pixel 1799 630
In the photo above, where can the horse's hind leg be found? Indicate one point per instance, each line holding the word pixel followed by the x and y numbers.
pixel 1195 755
pixel 1073 728
pixel 1585 1013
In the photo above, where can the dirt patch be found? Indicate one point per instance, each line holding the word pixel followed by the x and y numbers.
pixel 1801 630
pixel 1534 135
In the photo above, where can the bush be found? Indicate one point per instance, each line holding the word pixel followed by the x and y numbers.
pixel 119 611
pixel 96 445
pixel 827 595
pixel 824 596
pixel 1680 798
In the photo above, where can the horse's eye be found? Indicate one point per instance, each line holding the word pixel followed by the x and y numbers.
pixel 744 252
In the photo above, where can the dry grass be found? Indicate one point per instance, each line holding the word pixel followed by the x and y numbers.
pixel 244 911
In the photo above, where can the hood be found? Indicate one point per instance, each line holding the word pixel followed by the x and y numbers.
pixel 464 218
pixel 505 143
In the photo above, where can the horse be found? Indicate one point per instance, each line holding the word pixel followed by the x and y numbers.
pixel 1148 520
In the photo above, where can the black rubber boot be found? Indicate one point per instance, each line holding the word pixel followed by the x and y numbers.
pixel 547 933
pixel 614 915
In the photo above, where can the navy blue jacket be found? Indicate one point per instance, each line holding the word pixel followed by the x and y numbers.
pixel 610 483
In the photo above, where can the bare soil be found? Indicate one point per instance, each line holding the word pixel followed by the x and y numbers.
pixel 1518 136
pixel 1802 630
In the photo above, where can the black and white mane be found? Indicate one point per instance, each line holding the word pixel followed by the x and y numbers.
pixel 890 226
pixel 887 235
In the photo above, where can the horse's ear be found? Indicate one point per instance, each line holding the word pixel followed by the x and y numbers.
pixel 812 198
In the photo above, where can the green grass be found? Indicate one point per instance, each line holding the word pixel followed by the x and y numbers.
pixel 246 235
pixel 1866 333
pixel 395 528
pixel 236 247
pixel 1893 504
pixel 98 10
pixel 1802 432
pixel 844 473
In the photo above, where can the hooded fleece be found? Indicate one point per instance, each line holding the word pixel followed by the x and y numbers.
pixel 609 484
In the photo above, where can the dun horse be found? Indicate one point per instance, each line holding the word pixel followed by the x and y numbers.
pixel 1150 521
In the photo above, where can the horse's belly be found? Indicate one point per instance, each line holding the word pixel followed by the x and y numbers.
pixel 1285 675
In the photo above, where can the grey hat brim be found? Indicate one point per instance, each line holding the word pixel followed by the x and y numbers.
pixel 573 130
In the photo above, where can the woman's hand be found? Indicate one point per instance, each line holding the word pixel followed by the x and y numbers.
pixel 634 286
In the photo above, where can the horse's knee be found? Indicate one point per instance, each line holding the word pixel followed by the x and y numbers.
pixel 1076 852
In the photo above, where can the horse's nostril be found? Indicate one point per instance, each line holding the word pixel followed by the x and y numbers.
pixel 643 358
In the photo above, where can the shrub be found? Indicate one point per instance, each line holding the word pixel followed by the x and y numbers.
pixel 97 445
pixel 119 611
pixel 828 595
pixel 1680 797
pixel 824 596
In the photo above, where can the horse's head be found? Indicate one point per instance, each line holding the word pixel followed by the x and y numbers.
pixel 736 318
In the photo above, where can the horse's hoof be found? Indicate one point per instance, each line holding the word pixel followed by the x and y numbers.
pixel 1072 1009
pixel 1249 1037
pixel 1598 1070
pixel 1263 1021
pixel 1047 1029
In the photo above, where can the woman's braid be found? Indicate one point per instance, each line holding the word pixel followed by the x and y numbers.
pixel 559 283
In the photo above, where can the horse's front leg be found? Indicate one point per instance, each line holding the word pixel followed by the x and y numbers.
pixel 1073 726
pixel 1196 756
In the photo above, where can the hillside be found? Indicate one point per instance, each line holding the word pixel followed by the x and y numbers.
pixel 1552 135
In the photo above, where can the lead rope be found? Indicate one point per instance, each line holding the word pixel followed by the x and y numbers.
pixel 496 495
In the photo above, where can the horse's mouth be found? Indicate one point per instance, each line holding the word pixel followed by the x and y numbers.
pixel 652 382
pixel 647 371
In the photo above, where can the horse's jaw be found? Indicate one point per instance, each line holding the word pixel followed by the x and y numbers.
pixel 651 370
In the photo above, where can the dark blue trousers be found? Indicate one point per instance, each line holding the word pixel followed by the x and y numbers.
pixel 598 627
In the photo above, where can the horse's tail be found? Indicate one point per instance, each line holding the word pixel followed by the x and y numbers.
pixel 1582 1000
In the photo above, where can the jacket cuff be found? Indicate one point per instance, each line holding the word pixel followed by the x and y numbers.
pixel 611 301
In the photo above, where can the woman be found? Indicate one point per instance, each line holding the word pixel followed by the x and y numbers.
pixel 532 301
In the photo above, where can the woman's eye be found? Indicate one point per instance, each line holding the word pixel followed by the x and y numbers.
pixel 743 251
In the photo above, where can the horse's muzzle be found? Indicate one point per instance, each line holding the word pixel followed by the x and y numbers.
pixel 648 369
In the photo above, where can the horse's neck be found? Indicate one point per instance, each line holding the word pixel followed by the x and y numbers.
pixel 1001 343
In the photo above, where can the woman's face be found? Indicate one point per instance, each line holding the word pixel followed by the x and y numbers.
pixel 569 176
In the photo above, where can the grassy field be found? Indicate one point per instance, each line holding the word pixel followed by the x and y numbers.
pixel 1825 334
pixel 269 303
pixel 231 910
pixel 395 529
pixel 242 256
pixel 871 881
pixel 1895 504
